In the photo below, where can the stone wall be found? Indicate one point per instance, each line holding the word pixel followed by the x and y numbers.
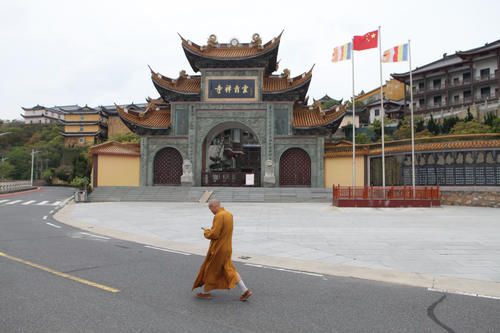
pixel 471 196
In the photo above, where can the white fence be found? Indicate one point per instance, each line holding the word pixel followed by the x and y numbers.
pixel 6 187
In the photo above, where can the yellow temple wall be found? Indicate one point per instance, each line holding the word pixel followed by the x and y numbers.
pixel 76 128
pixel 116 126
pixel 338 171
pixel 118 170
pixel 86 117
pixel 75 141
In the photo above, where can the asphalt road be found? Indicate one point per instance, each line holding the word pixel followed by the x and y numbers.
pixel 54 278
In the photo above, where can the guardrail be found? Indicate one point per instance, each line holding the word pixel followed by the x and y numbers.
pixel 389 196
pixel 6 187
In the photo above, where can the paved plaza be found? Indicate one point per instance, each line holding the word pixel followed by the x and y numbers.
pixel 452 248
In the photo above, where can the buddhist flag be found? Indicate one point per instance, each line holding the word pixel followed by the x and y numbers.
pixel 396 54
pixel 341 53
pixel 367 41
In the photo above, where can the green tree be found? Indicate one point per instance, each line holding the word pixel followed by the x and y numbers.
pixel 6 170
pixel 20 158
pixel 469 116
pixel 63 172
pixel 48 175
pixel 448 124
pixel 495 126
pixel 363 138
pixel 404 127
pixel 81 166
pixel 490 118
pixel 433 126
pixel 126 137
pixel 470 127
pixel 420 124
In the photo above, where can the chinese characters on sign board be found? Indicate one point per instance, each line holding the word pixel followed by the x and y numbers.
pixel 231 88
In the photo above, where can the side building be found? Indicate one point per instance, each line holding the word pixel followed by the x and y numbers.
pixel 41 115
pixel 82 125
pixel 466 81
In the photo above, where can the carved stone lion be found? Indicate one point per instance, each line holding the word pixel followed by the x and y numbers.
pixel 269 178
pixel 187 173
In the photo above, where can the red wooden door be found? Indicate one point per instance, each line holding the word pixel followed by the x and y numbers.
pixel 295 168
pixel 167 167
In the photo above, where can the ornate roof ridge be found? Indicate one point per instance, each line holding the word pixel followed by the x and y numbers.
pixel 234 44
pixel 373 148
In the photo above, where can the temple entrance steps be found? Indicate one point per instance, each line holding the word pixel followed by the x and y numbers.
pixel 224 194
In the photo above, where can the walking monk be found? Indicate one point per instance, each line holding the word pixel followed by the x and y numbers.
pixel 217 271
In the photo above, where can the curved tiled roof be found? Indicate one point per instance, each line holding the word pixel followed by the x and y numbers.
pixel 116 148
pixel 192 84
pixel 154 116
pixel 227 51
pixel 312 116
pixel 278 83
pixel 446 143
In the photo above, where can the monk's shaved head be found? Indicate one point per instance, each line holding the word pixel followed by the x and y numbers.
pixel 214 203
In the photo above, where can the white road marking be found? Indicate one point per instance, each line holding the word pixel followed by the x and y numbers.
pixel 462 293
pixel 285 270
pixel 42 203
pixel 55 203
pixel 53 225
pixel 92 235
pixel 45 217
pixel 51 211
pixel 28 202
pixel 2 201
pixel 13 202
pixel 166 250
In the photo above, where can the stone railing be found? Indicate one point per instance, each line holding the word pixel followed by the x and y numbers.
pixel 15 186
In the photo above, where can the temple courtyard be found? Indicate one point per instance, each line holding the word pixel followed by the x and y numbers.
pixel 448 248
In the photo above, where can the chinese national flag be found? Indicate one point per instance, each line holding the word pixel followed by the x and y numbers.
pixel 367 41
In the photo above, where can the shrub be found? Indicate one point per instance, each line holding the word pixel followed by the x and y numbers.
pixel 80 182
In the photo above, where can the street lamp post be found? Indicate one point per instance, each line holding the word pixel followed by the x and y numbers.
pixel 33 152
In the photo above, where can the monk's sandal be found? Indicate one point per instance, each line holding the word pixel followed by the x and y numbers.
pixel 246 295
pixel 204 296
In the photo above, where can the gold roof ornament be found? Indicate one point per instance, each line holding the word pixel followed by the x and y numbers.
pixel 212 41
pixel 182 75
pixel 286 74
pixel 256 41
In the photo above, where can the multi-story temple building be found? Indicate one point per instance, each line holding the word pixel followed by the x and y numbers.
pixel 236 123
pixel 82 125
pixel 451 86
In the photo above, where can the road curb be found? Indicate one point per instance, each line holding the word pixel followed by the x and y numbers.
pixel 436 282
pixel 13 193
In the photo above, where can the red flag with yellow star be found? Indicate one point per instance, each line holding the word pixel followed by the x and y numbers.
pixel 367 41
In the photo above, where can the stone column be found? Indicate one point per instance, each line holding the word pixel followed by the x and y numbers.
pixel 269 178
pixel 144 161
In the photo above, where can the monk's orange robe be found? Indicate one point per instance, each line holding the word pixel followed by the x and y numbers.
pixel 217 271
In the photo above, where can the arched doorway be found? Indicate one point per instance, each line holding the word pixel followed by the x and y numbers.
pixel 295 168
pixel 231 156
pixel 167 167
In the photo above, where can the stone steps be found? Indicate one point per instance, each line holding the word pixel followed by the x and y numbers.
pixel 224 194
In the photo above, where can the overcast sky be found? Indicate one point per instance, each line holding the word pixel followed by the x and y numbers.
pixel 97 52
